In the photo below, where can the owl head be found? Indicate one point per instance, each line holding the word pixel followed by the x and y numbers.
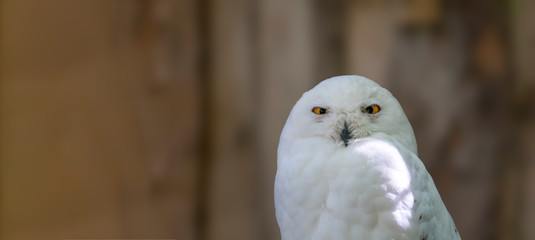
pixel 345 109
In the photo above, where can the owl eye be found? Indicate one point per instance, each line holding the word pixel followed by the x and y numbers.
pixel 372 109
pixel 319 110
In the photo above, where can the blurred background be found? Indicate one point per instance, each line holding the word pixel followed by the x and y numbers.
pixel 160 119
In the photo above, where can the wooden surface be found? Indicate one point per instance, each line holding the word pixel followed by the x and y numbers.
pixel 160 119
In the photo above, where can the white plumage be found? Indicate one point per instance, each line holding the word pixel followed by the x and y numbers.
pixel 348 169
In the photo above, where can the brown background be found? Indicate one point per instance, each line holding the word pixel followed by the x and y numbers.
pixel 160 119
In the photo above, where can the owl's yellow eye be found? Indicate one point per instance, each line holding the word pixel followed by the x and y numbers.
pixel 319 110
pixel 372 109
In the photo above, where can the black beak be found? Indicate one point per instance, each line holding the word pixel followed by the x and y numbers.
pixel 345 135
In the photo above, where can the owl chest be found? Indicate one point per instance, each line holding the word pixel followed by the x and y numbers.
pixel 344 187
pixel 349 192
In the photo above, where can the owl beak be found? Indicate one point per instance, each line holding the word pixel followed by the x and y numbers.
pixel 345 134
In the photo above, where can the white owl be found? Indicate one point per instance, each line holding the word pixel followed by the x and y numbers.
pixel 348 169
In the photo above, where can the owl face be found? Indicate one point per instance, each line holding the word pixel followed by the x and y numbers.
pixel 347 108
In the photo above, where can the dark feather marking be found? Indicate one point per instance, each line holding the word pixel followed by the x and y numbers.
pixel 345 135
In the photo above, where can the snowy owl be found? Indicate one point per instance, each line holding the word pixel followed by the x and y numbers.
pixel 348 168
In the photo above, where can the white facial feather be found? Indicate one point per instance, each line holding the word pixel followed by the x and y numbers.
pixel 348 168
pixel 345 97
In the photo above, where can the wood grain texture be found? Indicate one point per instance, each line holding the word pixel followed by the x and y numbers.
pixel 97 142
pixel 230 210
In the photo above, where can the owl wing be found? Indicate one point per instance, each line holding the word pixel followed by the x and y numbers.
pixel 430 216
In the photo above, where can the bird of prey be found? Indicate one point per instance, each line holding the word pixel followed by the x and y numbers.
pixel 348 168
